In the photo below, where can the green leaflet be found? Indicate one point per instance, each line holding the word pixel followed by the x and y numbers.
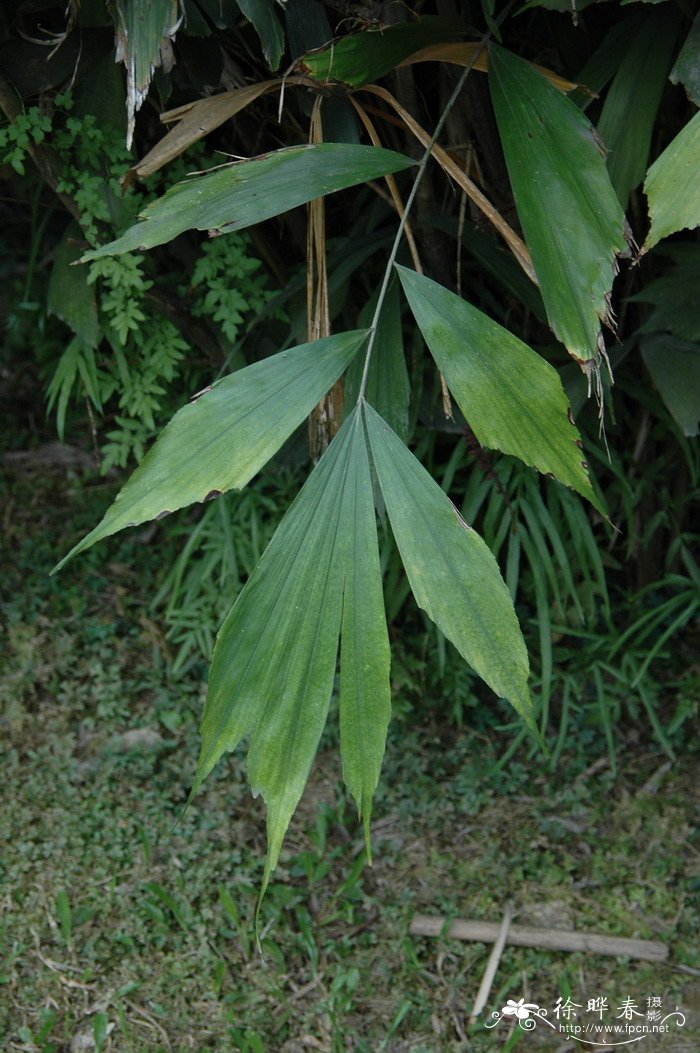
pixel 675 294
pixel 604 62
pixel 388 386
pixel 70 297
pixel 674 366
pixel 307 26
pixel 452 572
pixel 221 439
pixel 687 68
pixel 572 221
pixel 367 56
pixel 672 185
pixel 499 262
pixel 513 400
pixel 629 111
pixel 248 192
pixel 144 35
pixel 262 14
pixel 274 663
pixel 365 693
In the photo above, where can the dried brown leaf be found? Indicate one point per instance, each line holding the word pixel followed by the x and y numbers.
pixel 462 54
pixel 197 119
pixel 392 185
pixel 514 243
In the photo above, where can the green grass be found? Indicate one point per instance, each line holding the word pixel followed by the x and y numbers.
pixel 119 927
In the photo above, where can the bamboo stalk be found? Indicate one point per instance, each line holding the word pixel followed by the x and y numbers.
pixel 550 939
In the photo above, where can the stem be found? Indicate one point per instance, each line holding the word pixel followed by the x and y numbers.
pixel 412 196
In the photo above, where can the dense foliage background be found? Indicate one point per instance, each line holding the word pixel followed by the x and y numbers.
pixel 136 942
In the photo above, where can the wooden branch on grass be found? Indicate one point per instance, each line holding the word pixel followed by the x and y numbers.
pixel 492 964
pixel 550 939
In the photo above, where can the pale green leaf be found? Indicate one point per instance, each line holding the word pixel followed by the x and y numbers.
pixel 226 434
pixel 629 111
pixel 70 297
pixel 672 185
pixel 674 366
pixel 573 223
pixel 262 14
pixel 247 192
pixel 512 399
pixel 144 35
pixel 388 385
pixel 452 572
pixel 274 662
pixel 365 693
pixel 687 68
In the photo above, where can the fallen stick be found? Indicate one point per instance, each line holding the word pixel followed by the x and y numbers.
pixel 492 965
pixel 551 939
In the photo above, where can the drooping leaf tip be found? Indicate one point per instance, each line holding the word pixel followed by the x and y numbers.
pixel 539 738
pixel 69 556
pixel 368 842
